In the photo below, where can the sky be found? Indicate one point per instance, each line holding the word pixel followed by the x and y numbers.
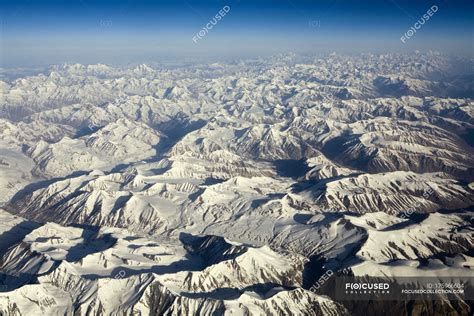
pixel 35 32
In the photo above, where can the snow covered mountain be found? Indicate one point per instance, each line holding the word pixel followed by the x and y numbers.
pixel 230 189
pixel 119 142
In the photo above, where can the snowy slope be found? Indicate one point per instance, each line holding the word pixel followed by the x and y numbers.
pixel 230 188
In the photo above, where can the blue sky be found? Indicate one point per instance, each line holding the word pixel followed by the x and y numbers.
pixel 35 32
